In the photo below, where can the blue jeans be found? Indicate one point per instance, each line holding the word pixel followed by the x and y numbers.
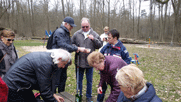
pixel 89 75
pixel 100 97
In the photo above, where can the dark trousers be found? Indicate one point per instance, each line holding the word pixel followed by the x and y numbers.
pixel 21 96
pixel 100 97
pixel 61 77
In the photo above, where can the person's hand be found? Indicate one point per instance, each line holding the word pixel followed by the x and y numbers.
pixel 91 37
pixel 99 90
pixel 104 39
pixel 87 50
pixel 58 98
pixel 80 49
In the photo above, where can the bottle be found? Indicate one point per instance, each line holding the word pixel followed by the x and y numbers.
pixel 78 97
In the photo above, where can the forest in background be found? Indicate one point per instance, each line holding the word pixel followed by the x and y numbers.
pixel 30 18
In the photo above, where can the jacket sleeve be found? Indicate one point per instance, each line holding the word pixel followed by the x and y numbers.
pixel 44 73
pixel 103 50
pixel 115 89
pixel 101 79
pixel 61 41
pixel 97 41
pixel 125 55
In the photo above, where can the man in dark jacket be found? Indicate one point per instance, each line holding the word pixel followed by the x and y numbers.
pixel 114 47
pixel 85 37
pixel 35 71
pixel 61 39
pixel 134 87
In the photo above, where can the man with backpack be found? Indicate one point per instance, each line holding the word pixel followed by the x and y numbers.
pixel 60 38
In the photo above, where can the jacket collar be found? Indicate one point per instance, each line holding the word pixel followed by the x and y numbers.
pixel 146 97
pixel 118 45
pixel 63 27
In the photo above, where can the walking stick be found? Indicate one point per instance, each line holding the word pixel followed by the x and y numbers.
pixel 77 96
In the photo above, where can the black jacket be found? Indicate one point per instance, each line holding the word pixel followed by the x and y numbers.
pixel 33 71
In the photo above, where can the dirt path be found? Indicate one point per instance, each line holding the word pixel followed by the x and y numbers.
pixel 41 48
pixel 34 48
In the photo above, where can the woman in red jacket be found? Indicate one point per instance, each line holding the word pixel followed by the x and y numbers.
pixel 3 91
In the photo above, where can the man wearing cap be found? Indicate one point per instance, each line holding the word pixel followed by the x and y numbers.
pixel 85 37
pixel 61 39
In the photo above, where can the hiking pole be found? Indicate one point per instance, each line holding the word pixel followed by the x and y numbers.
pixel 77 96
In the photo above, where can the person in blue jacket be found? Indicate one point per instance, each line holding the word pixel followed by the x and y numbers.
pixel 134 87
pixel 114 47
pixel 34 71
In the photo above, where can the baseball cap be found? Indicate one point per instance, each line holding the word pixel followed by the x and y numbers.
pixel 69 20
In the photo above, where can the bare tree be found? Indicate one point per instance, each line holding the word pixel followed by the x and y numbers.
pixel 138 24
pixel 108 13
pixel 63 9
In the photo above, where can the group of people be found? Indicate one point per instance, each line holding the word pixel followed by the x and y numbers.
pixel 47 71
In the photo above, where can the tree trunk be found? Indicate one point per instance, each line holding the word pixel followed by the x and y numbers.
pixel 103 15
pixel 80 9
pixel 94 14
pixel 108 14
pixel 138 26
pixel 151 18
pixel 63 9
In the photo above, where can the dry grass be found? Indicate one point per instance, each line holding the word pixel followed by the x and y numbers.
pixel 160 64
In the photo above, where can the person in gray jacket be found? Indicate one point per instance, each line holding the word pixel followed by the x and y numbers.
pixel 85 37
pixel 35 71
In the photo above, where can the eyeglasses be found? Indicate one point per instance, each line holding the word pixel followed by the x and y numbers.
pixel 9 39
pixel 85 26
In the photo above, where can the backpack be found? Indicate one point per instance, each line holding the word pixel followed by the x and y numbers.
pixel 50 41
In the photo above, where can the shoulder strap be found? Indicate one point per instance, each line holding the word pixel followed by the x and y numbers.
pixel 2 58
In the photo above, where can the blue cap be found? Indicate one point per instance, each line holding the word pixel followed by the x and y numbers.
pixel 69 20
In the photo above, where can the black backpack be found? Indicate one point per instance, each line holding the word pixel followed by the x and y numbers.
pixel 50 41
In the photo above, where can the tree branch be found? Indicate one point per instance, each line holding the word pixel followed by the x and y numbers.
pixel 162 2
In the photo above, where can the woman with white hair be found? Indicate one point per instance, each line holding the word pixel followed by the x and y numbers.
pixel 134 87
pixel 35 71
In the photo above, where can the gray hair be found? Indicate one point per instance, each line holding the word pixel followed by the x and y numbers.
pixel 63 23
pixel 59 53
pixel 84 18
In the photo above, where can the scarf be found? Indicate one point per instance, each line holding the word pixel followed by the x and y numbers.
pixel 85 34
pixel 10 57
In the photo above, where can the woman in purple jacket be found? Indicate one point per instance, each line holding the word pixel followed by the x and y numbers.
pixel 108 66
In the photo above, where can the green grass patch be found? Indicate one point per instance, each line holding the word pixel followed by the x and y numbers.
pixel 29 42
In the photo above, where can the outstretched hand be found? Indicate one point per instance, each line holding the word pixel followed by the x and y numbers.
pixel 58 98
